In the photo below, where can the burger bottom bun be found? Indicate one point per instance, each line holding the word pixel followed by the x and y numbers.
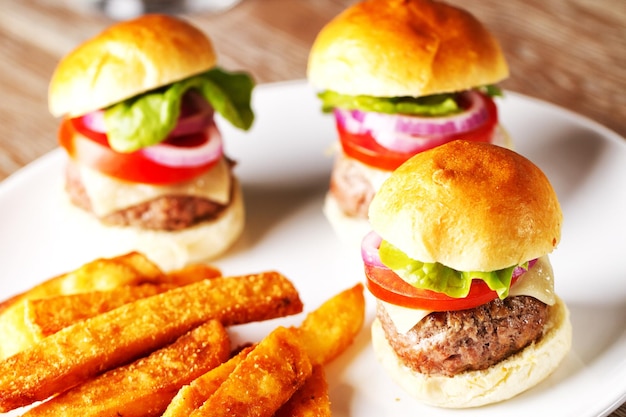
pixel 168 249
pixel 502 381
pixel 349 230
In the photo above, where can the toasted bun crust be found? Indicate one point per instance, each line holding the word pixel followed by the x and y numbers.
pixel 470 206
pixel 127 59
pixel 502 381
pixel 391 48
pixel 169 250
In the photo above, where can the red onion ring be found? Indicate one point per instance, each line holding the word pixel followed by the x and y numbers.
pixel 193 123
pixel 404 133
pixel 195 115
pixel 95 121
pixel 187 156
pixel 369 249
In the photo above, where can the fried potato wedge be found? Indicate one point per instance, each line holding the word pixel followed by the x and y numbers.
pixel 98 275
pixel 47 316
pixel 193 395
pixel 38 314
pixel 145 387
pixel 324 334
pixel 263 381
pixel 311 400
pixel 87 348
pixel 331 328
pixel 15 333
pixel 190 274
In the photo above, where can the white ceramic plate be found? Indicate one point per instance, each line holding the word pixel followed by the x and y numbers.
pixel 284 164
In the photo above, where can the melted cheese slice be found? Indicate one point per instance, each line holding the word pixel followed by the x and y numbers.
pixel 538 282
pixel 109 195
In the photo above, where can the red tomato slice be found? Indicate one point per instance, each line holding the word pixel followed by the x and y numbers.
pixel 385 285
pixel 364 148
pixel 92 149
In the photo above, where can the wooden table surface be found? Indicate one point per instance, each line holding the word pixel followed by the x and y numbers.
pixel 571 53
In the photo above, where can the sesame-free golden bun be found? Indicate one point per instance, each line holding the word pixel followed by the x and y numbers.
pixel 127 59
pixel 470 206
pixel 390 48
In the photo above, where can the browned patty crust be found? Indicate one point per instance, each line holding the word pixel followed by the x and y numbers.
pixel 169 213
pixel 451 342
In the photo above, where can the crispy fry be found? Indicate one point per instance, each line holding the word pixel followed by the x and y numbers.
pixel 331 328
pixel 263 381
pixel 146 386
pixel 78 352
pixel 15 334
pixel 39 313
pixel 311 400
pixel 325 333
pixel 193 395
pixel 191 273
pixel 98 275
pixel 49 315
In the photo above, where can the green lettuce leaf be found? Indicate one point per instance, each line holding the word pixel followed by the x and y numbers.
pixel 434 105
pixel 492 90
pixel 147 119
pixel 440 278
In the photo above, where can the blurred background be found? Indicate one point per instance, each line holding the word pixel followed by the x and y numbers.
pixel 571 53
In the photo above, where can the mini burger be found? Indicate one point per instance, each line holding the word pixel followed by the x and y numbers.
pixel 400 77
pixel 146 158
pixel 458 262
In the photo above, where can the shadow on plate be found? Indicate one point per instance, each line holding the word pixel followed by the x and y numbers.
pixel 570 158
pixel 268 207
pixel 596 328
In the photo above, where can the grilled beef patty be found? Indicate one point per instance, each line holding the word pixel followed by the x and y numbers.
pixel 351 189
pixel 451 342
pixel 168 213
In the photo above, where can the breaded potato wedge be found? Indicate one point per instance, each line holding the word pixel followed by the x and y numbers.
pixel 31 319
pixel 311 400
pixel 325 333
pixel 263 381
pixel 15 333
pixel 87 348
pixel 194 394
pixel 145 387
pixel 98 275
pixel 190 274
pixel 49 315
pixel 331 328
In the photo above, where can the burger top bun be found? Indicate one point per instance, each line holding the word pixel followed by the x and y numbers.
pixel 127 59
pixel 470 206
pixel 390 48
